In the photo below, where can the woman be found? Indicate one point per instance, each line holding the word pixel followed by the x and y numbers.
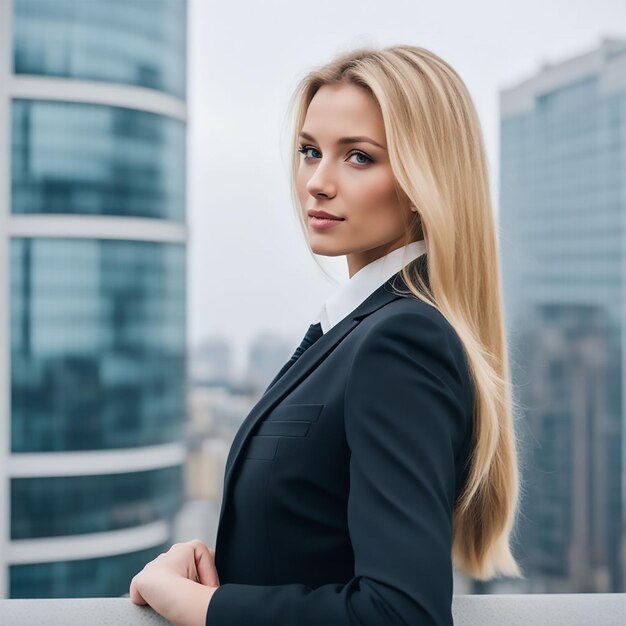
pixel 383 453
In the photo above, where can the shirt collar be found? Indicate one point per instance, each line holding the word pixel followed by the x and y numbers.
pixel 349 295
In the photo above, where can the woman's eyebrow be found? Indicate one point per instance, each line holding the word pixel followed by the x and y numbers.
pixel 344 140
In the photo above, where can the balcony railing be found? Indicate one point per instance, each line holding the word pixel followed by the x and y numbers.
pixel 589 609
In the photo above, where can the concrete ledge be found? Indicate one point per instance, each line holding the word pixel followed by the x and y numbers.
pixel 605 609
pixel 545 609
pixel 78 612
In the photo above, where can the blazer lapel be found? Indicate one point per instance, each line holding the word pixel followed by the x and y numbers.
pixel 291 376
pixel 283 385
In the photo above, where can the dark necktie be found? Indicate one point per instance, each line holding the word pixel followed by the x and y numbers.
pixel 312 335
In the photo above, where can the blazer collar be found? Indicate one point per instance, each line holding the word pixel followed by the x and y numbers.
pixel 351 293
pixel 388 291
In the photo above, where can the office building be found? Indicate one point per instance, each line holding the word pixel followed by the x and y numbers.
pixel 93 285
pixel 563 243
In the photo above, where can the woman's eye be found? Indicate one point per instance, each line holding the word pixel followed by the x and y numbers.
pixel 361 154
pixel 304 150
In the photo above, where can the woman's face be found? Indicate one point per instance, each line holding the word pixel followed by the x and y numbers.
pixel 348 179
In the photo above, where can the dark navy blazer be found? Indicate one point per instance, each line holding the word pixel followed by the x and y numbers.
pixel 340 483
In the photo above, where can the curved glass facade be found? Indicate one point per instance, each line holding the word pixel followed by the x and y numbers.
pixel 73 505
pixel 103 577
pixel 136 43
pixel 92 159
pixel 97 343
pixel 97 326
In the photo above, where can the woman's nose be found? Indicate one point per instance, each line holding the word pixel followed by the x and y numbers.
pixel 321 187
pixel 322 182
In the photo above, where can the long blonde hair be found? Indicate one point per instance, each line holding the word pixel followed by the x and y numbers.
pixel 437 155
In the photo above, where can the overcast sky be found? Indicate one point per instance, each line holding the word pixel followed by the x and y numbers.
pixel 249 268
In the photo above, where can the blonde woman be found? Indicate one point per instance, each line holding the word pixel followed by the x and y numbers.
pixel 383 454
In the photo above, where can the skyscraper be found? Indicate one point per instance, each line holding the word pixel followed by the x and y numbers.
pixel 563 240
pixel 93 289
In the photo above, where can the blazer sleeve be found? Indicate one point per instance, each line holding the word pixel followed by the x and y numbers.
pixel 406 415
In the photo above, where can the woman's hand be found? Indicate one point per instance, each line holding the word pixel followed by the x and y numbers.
pixel 179 583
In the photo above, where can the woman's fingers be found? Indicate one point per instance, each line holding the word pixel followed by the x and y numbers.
pixel 212 551
pixel 205 563
pixel 191 559
pixel 135 596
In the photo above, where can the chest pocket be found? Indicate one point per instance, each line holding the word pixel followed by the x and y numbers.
pixel 286 420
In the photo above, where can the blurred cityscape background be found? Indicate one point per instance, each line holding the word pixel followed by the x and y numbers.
pixel 116 420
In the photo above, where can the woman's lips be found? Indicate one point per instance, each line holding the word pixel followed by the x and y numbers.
pixel 322 223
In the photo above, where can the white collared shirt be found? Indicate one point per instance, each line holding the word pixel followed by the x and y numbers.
pixel 352 293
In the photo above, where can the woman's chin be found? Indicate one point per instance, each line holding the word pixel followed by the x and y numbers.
pixel 325 250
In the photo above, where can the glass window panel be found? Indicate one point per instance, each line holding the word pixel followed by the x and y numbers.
pixel 103 577
pixel 90 159
pixel 141 43
pixel 72 505
pixel 97 343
